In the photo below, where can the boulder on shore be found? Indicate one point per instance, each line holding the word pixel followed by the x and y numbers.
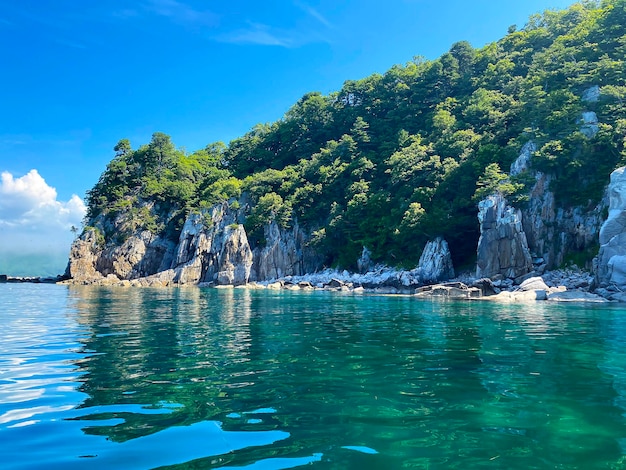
pixel 575 296
pixel 449 290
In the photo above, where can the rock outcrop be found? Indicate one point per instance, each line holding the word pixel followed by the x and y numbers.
pixel 502 247
pixel 610 263
pixel 84 255
pixel 285 254
pixel 552 231
pixel 213 248
pixel 449 291
pixel 589 124
pixel 523 162
pixel 142 254
pixel 591 94
pixel 435 264
pixel 364 263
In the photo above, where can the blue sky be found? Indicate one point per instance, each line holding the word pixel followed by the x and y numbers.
pixel 78 76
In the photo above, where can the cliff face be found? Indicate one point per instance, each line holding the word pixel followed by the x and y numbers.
pixel 212 248
pixel 285 254
pixel 611 260
pixel 213 245
pixel 502 247
pixel 553 232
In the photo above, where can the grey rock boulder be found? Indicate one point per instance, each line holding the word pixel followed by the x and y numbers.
pixel 435 264
pixel 575 296
pixel 533 283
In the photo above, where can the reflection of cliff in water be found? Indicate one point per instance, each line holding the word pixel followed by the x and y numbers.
pixel 438 378
pixel 169 349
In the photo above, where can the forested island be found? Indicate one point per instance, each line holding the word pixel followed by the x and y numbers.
pixel 519 136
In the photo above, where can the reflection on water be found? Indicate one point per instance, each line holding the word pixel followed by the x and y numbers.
pixel 208 378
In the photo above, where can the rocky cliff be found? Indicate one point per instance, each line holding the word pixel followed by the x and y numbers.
pixel 610 266
pixel 502 247
pixel 212 248
pixel 552 231
pixel 285 253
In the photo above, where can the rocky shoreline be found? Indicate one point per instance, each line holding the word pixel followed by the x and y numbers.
pixel 564 285
pixel 568 285
pixel 518 255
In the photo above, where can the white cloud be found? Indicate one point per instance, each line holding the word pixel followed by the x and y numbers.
pixel 33 220
pixel 30 201
pixel 182 13
pixel 314 13
pixel 257 34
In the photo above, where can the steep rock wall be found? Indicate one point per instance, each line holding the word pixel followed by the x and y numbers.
pixel 285 253
pixel 212 248
pixel 502 246
pixel 551 231
pixel 435 264
pixel 84 255
pixel 142 254
pixel 610 265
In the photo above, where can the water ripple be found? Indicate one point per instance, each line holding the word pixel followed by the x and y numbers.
pixel 193 378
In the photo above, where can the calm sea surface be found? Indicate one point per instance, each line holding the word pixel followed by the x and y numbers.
pixel 204 378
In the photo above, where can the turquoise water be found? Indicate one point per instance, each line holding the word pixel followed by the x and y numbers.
pixel 207 378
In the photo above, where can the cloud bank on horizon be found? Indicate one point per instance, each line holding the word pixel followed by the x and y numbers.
pixel 35 227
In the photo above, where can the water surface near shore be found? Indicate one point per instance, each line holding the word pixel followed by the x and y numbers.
pixel 235 378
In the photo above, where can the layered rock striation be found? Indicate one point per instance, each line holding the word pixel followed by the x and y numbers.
pixel 502 246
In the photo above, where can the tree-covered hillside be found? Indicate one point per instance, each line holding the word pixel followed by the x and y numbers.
pixel 391 161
